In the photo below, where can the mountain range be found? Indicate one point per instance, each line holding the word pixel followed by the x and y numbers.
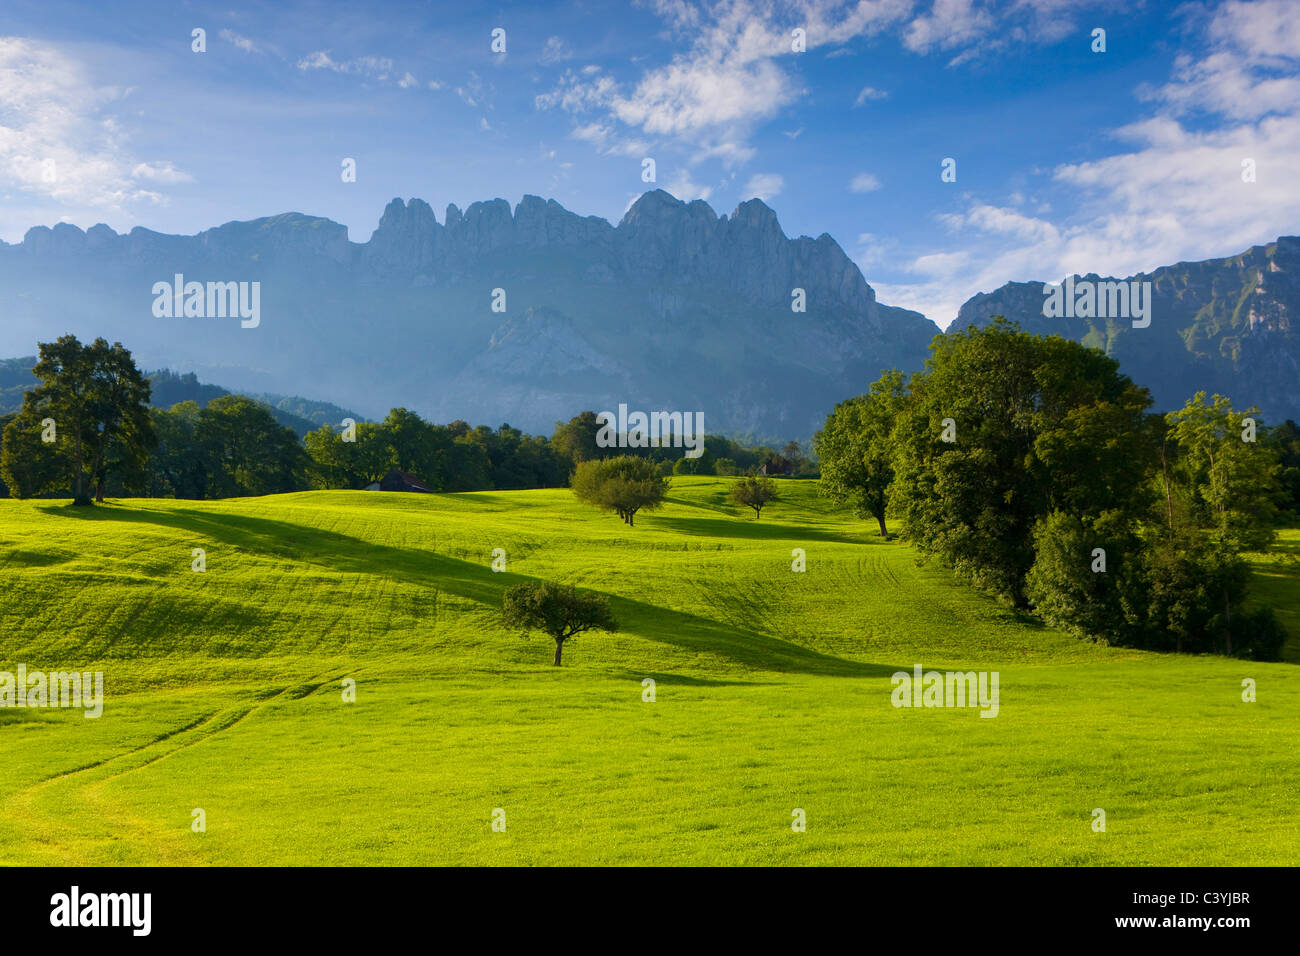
pixel 531 315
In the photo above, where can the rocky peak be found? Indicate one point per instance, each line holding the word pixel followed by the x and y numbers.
pixel 748 251
pixel 654 206
pixel 545 222
pixel 64 239
pixel 403 244
pixel 101 236
pixel 485 226
pixel 758 215
pixel 289 236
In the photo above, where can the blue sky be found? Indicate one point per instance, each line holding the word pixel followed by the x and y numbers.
pixel 1067 159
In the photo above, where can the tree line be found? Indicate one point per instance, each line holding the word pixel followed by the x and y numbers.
pixel 1036 470
pixel 87 431
pixel 576 440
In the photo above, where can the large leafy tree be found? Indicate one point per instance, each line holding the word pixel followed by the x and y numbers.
pixel 247 450
pixel 1285 440
pixel 28 465
pixel 414 445
pixel 5 419
pixel 469 467
pixel 856 451
pixel 1087 576
pixel 325 449
pixel 450 457
pixel 1229 487
pixel 1195 594
pixel 99 403
pixel 177 468
pixel 350 464
pixel 1036 425
pixel 522 461
pixel 576 438
pixel 1233 484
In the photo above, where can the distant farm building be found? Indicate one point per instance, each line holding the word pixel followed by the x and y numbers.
pixel 398 481
pixel 777 465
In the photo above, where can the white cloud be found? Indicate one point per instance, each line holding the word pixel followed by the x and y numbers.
pixel 374 67
pixel 161 173
pixel 1002 221
pixel 864 183
pixel 240 42
pixel 474 91
pixel 765 186
pixel 949 24
pixel 974 29
pixel 605 139
pixel 575 95
pixel 319 60
pixel 595 133
pixel 686 98
pixel 685 189
pixel 555 51
pixel 408 81
pixel 1262 29
pixel 730 153
pixel 1250 72
pixel 58 140
pixel 869 93
pixel 1173 191
pixel 871 251
pixel 737 68
pixel 941 265
pixel 732 75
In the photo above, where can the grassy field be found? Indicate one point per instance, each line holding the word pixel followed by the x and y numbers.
pixel 223 691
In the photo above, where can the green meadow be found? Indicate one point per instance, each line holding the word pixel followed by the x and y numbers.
pixel 223 691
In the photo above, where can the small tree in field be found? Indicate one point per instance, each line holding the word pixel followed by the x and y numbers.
pixel 560 611
pixel 754 492
pixel 623 485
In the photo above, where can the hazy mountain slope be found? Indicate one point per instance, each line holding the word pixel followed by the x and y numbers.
pixel 675 307
pixel 168 388
pixel 1226 325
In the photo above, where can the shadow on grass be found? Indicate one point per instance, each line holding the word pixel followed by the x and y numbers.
pixel 685 680
pixel 472 581
pixel 1021 618
pixel 1281 546
pixel 749 528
